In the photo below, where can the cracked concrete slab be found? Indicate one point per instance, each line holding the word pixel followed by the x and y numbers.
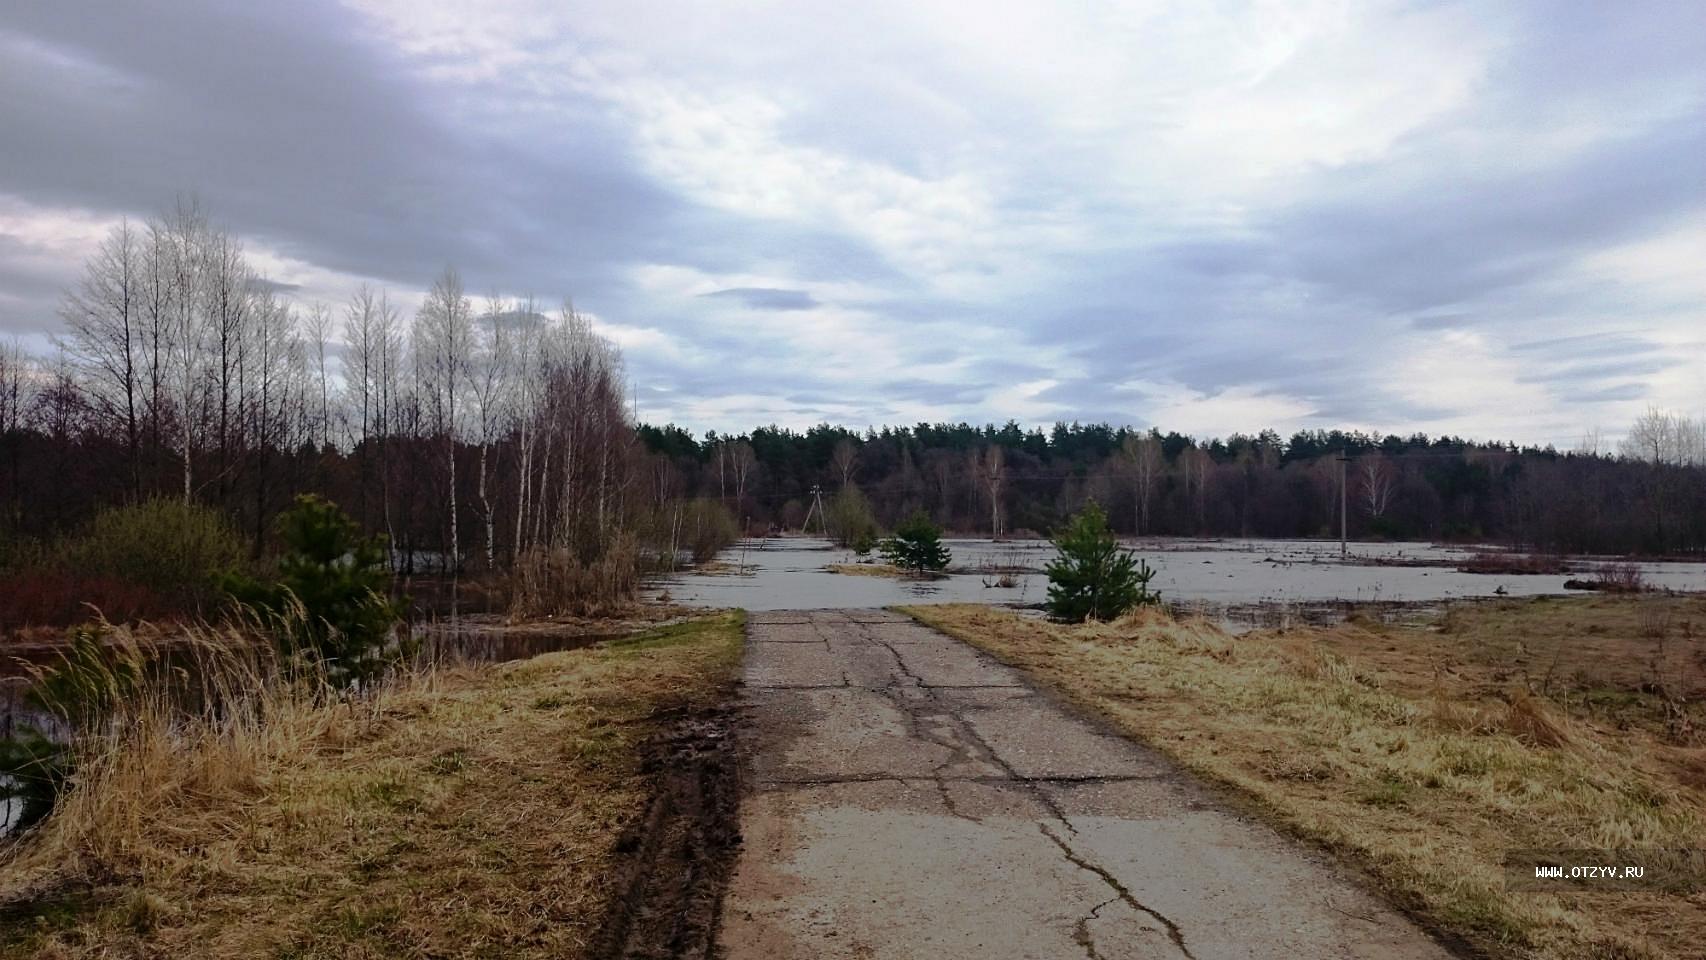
pixel 911 797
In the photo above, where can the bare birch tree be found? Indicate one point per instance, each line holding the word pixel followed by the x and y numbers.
pixel 1145 462
pixel 1376 485
pixel 845 459
pixel 488 373
pixel 103 314
pixel 318 327
pixel 991 471
pixel 444 335
pixel 187 230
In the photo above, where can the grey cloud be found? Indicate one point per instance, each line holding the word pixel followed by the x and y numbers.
pixel 767 298
pixel 1443 321
pixel 1628 391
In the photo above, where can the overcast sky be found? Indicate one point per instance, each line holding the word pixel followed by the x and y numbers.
pixel 1480 218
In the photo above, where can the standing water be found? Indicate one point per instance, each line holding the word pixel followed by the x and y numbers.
pixel 783 573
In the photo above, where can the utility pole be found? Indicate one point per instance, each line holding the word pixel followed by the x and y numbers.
pixel 1344 495
pixel 817 508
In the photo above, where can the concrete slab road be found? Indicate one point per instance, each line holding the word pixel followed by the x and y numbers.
pixel 911 797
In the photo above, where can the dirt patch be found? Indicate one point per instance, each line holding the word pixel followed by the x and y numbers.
pixel 679 856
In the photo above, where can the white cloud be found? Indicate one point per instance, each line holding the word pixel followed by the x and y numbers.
pixel 1241 409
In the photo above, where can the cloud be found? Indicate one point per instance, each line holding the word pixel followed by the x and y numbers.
pixel 767 298
pixel 1443 217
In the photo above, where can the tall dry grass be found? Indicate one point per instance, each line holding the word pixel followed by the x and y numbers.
pixel 157 718
pixel 556 582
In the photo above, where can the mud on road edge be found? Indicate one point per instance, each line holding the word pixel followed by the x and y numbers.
pixel 679 856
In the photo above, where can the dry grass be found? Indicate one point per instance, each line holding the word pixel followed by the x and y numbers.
pixel 866 569
pixel 1419 754
pixel 457 812
pixel 554 582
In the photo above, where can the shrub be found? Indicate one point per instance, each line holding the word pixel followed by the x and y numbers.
pixel 1621 578
pixel 329 601
pixel 701 527
pixel 172 549
pixel 708 526
pixel 850 519
pixel 1093 579
pixel 916 546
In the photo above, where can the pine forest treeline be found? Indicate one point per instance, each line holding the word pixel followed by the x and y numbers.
pixel 1649 497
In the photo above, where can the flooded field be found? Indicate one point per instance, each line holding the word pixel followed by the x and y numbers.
pixel 1216 575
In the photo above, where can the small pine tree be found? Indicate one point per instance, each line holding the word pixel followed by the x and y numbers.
pixel 1093 578
pixel 917 546
pixel 330 600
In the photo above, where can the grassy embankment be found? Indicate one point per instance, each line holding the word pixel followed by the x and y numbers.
pixel 1421 753
pixel 469 811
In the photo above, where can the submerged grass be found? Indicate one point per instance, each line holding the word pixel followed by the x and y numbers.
pixel 458 811
pixel 1423 769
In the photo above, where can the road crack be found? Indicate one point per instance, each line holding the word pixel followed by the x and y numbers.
pixel 1121 892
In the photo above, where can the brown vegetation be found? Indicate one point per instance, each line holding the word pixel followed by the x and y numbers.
pixel 866 569
pixel 1488 561
pixel 1425 753
pixel 453 812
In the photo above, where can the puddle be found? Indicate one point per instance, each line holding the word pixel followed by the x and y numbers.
pixel 486 640
pixel 787 574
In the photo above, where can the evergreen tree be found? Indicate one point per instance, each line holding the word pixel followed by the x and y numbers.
pixel 1093 579
pixel 329 601
pixel 917 546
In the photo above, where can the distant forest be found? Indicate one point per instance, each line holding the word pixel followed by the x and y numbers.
pixel 1649 498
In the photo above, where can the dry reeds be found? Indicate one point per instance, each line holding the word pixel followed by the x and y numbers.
pixel 1531 722
pixel 554 582
pixel 154 719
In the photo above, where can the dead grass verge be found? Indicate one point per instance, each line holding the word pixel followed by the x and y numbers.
pixel 454 812
pixel 1421 767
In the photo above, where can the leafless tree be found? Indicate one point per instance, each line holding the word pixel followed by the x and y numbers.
pixel 318 327
pixel 444 335
pixel 188 244
pixel 103 314
pixel 1377 484
pixel 523 400
pixel 488 375
pixel 275 354
pixel 743 463
pixel 1145 461
pixel 1197 462
pixel 845 459
pixel 360 379
pixel 991 471
pixel 228 286
pixel 16 398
